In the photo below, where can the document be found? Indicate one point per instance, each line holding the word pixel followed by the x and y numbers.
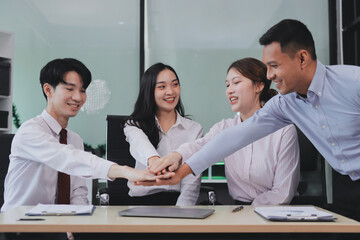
pixel 60 210
pixel 290 213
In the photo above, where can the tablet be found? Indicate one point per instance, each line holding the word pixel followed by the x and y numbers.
pixel 167 212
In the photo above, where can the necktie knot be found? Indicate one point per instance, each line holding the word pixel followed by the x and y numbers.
pixel 63 136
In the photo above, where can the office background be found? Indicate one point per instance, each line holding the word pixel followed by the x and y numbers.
pixel 200 39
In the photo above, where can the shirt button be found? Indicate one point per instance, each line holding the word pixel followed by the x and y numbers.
pixel 333 144
pixel 319 93
pixel 342 160
pixel 316 106
pixel 323 126
pixel 352 174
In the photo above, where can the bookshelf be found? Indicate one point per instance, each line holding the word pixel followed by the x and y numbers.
pixel 6 78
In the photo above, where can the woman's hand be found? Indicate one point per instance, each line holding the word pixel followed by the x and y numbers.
pixel 182 172
pixel 169 163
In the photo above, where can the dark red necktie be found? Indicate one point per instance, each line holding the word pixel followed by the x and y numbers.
pixel 63 194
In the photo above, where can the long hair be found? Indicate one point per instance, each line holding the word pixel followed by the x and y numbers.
pixel 255 70
pixel 145 108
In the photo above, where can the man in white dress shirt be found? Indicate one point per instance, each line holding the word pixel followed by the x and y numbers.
pixel 37 155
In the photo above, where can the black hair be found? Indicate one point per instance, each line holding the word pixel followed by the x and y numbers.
pixel 53 72
pixel 292 35
pixel 145 108
pixel 255 70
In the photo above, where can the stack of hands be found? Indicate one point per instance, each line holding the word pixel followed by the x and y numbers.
pixel 166 170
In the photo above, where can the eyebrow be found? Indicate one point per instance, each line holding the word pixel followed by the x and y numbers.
pixel 272 62
pixel 165 82
pixel 232 78
pixel 71 84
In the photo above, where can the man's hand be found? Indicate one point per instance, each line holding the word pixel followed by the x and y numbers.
pixel 164 179
pixel 170 163
pixel 134 175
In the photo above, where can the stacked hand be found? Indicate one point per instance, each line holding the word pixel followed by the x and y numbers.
pixel 163 168
pixel 169 163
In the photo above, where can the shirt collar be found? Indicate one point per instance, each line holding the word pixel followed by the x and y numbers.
pixel 178 123
pixel 51 122
pixel 317 83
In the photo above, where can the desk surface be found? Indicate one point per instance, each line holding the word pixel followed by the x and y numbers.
pixel 106 219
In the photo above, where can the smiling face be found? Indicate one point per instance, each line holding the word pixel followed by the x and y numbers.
pixel 167 91
pixel 242 93
pixel 284 71
pixel 66 99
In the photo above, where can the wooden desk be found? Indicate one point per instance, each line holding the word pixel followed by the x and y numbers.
pixel 106 220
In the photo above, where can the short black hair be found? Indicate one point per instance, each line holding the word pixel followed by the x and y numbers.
pixel 292 35
pixel 53 72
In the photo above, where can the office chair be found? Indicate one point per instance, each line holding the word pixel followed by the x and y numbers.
pixel 117 150
pixel 5 147
pixel 312 185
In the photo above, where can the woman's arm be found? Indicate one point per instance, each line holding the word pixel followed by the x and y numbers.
pixel 140 146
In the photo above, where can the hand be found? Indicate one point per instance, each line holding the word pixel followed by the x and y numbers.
pixel 135 175
pixel 182 172
pixel 170 163
pixel 117 171
pixel 70 236
pixel 161 181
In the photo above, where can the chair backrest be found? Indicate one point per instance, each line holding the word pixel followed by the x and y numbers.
pixel 117 150
pixel 5 147
pixel 312 186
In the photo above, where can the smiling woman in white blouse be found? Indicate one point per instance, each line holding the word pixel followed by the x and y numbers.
pixel 156 127
pixel 264 172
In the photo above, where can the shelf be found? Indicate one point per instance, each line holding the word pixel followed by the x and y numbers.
pixel 6 78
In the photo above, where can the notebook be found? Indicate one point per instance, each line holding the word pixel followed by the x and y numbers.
pixel 297 214
pixel 167 212
pixel 60 210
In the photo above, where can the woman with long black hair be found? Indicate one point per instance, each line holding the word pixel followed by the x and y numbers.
pixel 158 126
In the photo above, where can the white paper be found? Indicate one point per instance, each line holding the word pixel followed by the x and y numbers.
pixel 294 213
pixel 60 209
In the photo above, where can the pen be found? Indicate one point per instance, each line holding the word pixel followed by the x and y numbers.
pixel 31 219
pixel 238 209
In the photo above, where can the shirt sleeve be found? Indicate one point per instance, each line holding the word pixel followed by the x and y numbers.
pixel 287 172
pixel 265 121
pixel 140 146
pixel 186 150
pixel 79 192
pixel 33 143
pixel 79 189
pixel 190 185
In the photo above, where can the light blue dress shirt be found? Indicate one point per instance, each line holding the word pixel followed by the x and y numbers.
pixel 329 117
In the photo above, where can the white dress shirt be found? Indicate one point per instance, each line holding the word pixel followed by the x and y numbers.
pixel 37 156
pixel 265 172
pixel 184 130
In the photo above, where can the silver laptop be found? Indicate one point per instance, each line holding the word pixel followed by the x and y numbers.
pixel 167 212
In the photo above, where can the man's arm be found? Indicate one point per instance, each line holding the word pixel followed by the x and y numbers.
pixel 118 171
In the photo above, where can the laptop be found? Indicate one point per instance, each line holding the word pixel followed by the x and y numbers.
pixel 167 212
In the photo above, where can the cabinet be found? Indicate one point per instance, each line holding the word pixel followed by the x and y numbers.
pixel 6 63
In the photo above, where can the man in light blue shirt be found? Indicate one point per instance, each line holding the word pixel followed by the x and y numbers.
pixel 323 101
